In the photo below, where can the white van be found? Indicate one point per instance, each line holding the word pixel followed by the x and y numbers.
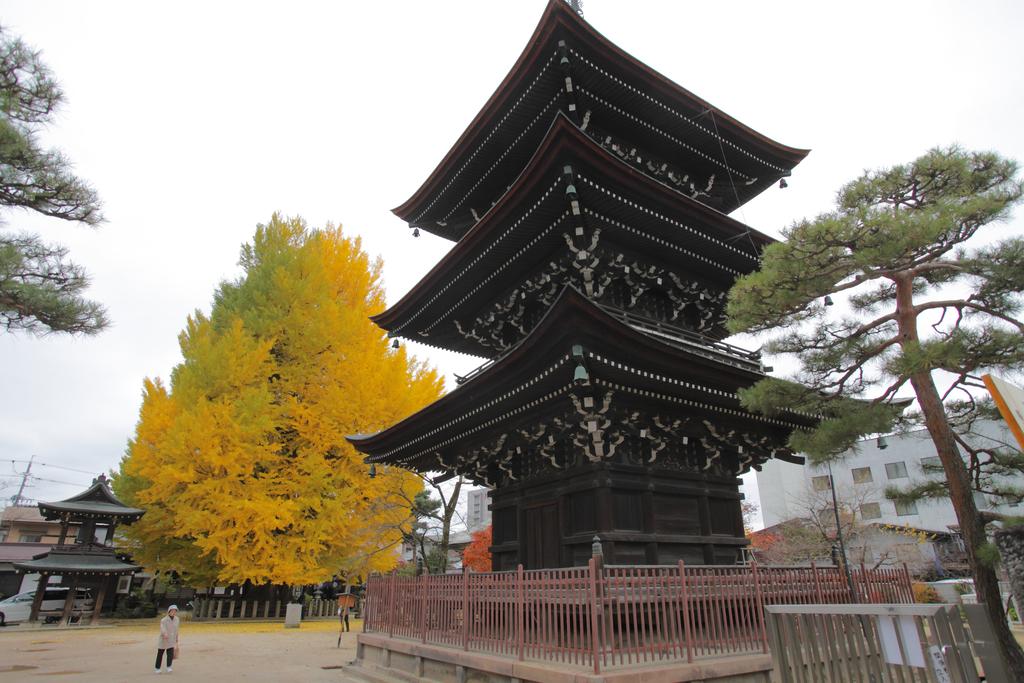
pixel 17 608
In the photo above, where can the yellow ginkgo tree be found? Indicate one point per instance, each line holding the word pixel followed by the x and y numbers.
pixel 241 463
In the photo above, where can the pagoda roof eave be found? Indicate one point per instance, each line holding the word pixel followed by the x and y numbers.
pixel 572 319
pixel 89 509
pixel 562 134
pixel 559 14
pixel 75 560
pixel 96 501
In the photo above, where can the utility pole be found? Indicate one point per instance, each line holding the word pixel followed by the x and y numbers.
pixel 839 535
pixel 24 479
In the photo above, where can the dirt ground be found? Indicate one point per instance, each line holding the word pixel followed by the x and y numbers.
pixel 254 651
pixel 209 652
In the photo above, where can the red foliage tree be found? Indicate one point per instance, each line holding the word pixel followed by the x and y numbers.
pixel 477 555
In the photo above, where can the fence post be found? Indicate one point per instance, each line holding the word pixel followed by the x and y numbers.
pixel 760 607
pixel 685 599
pixel 465 608
pixel 866 585
pixel 595 642
pixel 391 605
pixel 908 586
pixel 423 607
pixel 520 613
pixel 817 584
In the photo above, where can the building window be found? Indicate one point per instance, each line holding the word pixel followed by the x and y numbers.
pixel 31 538
pixel 821 483
pixel 862 475
pixel 905 508
pixel 931 465
pixel 871 511
pixel 896 470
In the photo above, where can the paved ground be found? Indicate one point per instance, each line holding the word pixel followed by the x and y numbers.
pixel 260 651
pixel 210 652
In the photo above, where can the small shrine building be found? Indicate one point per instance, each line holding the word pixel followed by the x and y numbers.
pixel 88 560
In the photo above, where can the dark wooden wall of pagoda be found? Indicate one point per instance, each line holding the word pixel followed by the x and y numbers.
pixel 642 516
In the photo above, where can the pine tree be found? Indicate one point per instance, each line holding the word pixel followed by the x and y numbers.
pixel 927 312
pixel 40 291
pixel 243 465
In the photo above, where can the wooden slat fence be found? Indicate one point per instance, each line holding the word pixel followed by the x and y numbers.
pixel 884 643
pixel 228 608
pixel 602 617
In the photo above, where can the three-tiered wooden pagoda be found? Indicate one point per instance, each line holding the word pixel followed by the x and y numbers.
pixel 589 202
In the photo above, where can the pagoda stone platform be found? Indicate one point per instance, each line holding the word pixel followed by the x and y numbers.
pixel 383 659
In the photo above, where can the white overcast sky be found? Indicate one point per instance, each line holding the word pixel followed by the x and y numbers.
pixel 197 120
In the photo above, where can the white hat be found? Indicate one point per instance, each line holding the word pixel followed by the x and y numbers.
pixel 172 607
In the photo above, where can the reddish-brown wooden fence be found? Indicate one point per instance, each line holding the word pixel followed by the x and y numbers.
pixel 606 616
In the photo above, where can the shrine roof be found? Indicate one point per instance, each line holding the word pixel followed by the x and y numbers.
pixel 77 560
pixel 97 501
pixel 662 221
pixel 516 105
pixel 658 369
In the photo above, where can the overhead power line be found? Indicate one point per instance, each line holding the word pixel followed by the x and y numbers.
pixel 60 467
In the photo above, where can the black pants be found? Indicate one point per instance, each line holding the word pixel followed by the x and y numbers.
pixel 160 656
pixel 344 621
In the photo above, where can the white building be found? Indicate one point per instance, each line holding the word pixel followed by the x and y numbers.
pixel 478 514
pixel 865 473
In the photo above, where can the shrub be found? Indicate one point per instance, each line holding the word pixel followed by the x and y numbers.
pixel 925 593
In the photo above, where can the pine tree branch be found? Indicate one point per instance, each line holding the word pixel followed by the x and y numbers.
pixel 962 304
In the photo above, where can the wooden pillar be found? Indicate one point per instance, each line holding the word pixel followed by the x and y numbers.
pixel 63 529
pixel 104 580
pixel 37 601
pixel 704 507
pixel 650 526
pixel 69 602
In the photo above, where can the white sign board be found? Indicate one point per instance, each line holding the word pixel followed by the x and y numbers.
pixel 911 653
pixel 939 667
pixel 1010 401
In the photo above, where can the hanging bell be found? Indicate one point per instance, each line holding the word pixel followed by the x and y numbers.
pixel 580 376
pixel 783 184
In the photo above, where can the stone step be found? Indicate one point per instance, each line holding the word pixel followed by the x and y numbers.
pixel 373 674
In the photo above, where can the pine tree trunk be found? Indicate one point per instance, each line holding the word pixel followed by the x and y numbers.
pixel 972 526
pixel 1010 541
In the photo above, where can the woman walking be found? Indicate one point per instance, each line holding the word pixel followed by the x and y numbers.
pixel 168 641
